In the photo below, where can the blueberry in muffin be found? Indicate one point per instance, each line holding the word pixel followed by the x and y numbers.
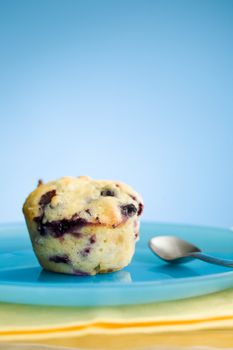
pixel 83 226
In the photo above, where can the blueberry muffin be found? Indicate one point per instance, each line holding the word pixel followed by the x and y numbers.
pixel 83 226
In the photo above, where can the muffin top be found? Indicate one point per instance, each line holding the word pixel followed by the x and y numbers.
pixel 59 205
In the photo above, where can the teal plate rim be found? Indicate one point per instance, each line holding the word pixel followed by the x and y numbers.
pixel 213 278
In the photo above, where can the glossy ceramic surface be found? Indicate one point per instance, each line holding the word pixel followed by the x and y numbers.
pixel 147 279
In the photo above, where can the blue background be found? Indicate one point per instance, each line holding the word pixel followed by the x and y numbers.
pixel 138 90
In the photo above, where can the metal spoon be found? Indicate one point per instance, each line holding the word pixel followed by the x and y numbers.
pixel 173 249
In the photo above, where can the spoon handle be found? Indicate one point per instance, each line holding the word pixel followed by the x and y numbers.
pixel 211 259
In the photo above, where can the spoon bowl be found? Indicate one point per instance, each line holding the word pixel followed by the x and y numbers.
pixel 172 249
pixel 175 250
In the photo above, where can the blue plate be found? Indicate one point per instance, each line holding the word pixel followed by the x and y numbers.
pixel 147 279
